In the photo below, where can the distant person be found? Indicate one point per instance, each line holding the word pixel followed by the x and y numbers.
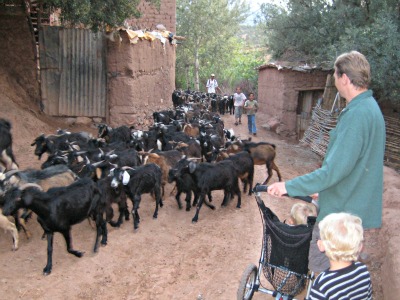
pixel 341 241
pixel 351 176
pixel 300 212
pixel 238 101
pixel 251 107
pixel 212 85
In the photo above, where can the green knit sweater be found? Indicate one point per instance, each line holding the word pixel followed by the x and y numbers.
pixel 351 176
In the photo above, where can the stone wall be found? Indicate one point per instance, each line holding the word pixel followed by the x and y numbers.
pixel 278 92
pixel 141 77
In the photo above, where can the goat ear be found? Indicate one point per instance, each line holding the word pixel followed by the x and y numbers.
pixel 111 172
pixel 13 180
pixel 125 178
pixel 192 167
pixel 99 173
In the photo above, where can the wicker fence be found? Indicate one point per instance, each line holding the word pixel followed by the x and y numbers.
pixel 322 121
pixel 392 151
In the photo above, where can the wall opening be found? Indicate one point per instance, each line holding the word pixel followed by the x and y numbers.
pixel 305 103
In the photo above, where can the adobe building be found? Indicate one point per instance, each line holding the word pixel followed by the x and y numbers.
pixel 286 95
pixel 141 73
pixel 91 77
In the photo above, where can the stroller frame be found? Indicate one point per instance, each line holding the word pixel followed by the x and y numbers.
pixel 296 281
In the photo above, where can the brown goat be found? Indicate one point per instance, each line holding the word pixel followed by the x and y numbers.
pixel 263 153
pixel 191 130
pixel 165 160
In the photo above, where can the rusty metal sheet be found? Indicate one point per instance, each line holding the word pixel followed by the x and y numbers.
pixel 73 72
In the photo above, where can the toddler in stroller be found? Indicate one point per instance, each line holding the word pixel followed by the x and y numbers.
pixel 284 256
pixel 300 212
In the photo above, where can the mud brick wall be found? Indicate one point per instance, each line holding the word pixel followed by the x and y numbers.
pixel 17 50
pixel 141 77
pixel 151 16
pixel 278 92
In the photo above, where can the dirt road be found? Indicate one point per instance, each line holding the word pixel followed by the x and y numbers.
pixel 167 258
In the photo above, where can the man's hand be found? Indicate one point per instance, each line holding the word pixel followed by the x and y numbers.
pixel 277 189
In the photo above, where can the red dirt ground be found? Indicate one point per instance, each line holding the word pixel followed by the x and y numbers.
pixel 168 257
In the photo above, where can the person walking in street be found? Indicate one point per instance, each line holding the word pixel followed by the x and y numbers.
pixel 351 176
pixel 212 85
pixel 251 107
pixel 239 98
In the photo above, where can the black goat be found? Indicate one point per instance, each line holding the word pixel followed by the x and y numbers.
pixel 7 159
pixel 112 135
pixel 58 209
pixel 63 142
pixel 185 184
pixel 209 177
pixel 113 195
pixel 138 181
pixel 244 166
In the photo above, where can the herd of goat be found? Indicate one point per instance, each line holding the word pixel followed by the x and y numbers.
pixel 84 176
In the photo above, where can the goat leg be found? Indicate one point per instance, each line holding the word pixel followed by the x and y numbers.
pixel 104 232
pixel 227 197
pixel 68 241
pixel 178 199
pixel 49 265
pixel 158 203
pixel 188 200
pixel 136 219
pixel 101 231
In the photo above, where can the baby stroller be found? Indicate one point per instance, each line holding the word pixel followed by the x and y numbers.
pixel 284 256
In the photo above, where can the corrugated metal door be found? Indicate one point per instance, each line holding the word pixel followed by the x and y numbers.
pixel 73 72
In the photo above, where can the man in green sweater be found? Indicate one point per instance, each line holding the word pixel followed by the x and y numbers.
pixel 351 176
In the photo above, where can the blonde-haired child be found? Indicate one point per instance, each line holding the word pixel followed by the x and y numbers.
pixel 300 212
pixel 341 239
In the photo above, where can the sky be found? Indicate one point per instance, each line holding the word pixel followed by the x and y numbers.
pixel 255 7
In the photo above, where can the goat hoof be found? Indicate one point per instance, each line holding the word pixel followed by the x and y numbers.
pixel 114 224
pixel 194 221
pixel 46 272
pixel 77 253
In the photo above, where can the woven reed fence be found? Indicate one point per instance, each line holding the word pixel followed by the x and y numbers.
pixel 322 121
pixel 317 134
pixel 392 151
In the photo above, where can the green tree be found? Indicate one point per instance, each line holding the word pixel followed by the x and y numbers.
pixel 317 31
pixel 94 14
pixel 211 28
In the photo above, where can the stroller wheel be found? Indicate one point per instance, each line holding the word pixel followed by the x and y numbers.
pixel 247 283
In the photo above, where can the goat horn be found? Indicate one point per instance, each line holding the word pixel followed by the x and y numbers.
pixel 194 158
pixel 127 168
pixel 26 185
pixel 12 172
pixel 96 164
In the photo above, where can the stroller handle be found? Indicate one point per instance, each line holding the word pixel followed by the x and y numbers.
pixel 263 188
